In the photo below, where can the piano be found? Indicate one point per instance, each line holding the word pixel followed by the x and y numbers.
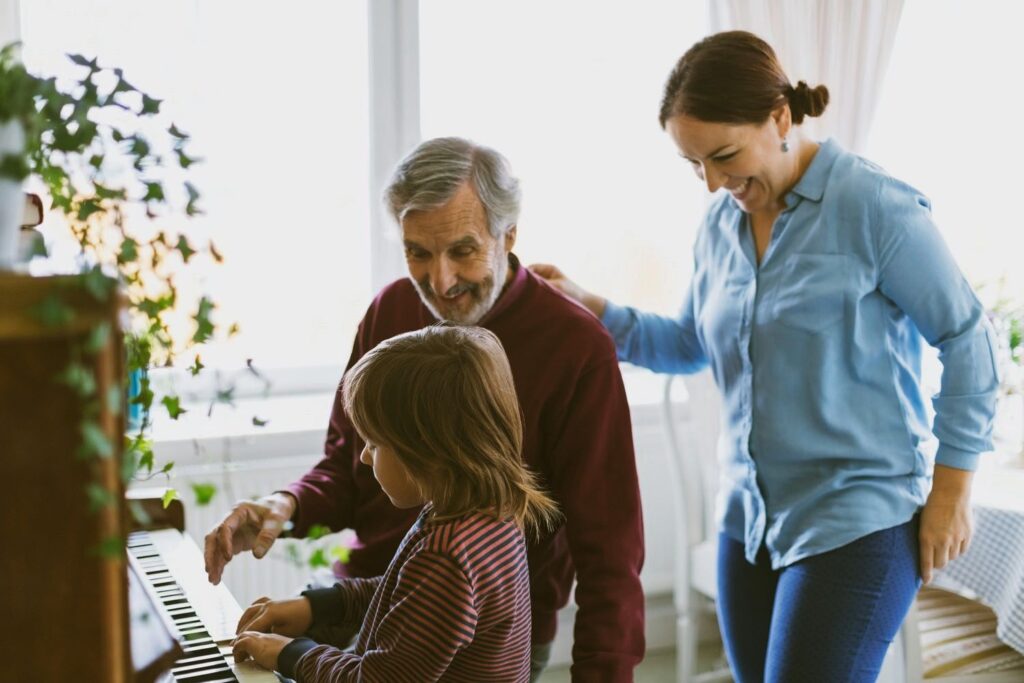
pixel 76 608
pixel 201 617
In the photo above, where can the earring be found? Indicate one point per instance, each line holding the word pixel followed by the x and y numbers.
pixel 785 145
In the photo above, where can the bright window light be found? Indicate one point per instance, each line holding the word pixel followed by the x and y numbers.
pixel 275 96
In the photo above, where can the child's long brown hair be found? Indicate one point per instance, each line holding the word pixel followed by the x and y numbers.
pixel 443 399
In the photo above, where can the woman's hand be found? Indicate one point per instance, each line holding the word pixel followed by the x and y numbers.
pixel 262 648
pixel 557 279
pixel 291 617
pixel 946 524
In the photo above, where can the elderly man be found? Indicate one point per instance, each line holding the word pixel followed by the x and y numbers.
pixel 457 205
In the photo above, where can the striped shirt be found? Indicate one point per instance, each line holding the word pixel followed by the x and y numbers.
pixel 453 605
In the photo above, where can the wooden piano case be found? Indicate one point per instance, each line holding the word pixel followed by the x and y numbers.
pixel 65 605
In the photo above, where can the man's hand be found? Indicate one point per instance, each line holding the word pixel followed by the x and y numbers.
pixel 557 279
pixel 263 648
pixel 946 525
pixel 291 617
pixel 249 526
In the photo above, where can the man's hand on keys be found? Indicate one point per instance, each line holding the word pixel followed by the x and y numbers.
pixel 251 525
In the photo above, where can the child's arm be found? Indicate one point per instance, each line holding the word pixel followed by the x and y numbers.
pixel 432 616
pixel 343 604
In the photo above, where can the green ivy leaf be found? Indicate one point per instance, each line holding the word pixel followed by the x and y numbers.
pixel 94 442
pixel 184 160
pixel 99 497
pixel 104 192
pixel 318 559
pixel 204 493
pixel 97 283
pixel 114 399
pixel 196 367
pixel 97 338
pixel 53 312
pixel 169 495
pixel 291 552
pixel 145 397
pixel 185 248
pixel 154 192
pixel 111 548
pixel 176 132
pixel 149 105
pixel 204 327
pixel 341 553
pixel 82 61
pixel 146 461
pixel 80 378
pixel 193 196
pixel 129 251
pixel 166 469
pixel 87 208
pixel 173 405
pixel 257 422
pixel 317 531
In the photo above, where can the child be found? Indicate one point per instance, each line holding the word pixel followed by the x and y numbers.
pixel 440 418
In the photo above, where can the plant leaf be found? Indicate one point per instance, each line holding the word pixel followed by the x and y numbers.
pixel 94 441
pixel 204 493
pixel 185 248
pixel 318 559
pixel 169 495
pixel 99 497
pixel 173 405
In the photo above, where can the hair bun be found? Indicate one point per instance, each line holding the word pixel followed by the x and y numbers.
pixel 807 101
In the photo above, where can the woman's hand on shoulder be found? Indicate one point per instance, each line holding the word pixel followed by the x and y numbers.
pixel 946 524
pixel 291 617
pixel 557 279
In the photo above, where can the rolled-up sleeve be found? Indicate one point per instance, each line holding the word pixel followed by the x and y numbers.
pixel 918 274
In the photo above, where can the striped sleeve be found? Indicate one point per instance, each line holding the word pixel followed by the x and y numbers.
pixel 345 603
pixel 432 617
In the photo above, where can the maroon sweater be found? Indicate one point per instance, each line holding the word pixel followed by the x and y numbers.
pixel 577 437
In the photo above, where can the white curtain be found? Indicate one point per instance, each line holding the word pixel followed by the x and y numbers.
pixel 843 44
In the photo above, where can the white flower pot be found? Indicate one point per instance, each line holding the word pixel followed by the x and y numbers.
pixel 12 197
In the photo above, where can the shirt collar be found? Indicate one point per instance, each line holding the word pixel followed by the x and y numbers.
pixel 512 290
pixel 812 183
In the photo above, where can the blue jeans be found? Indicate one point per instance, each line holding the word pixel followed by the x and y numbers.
pixel 824 619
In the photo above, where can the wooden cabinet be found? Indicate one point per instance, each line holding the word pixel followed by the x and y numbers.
pixel 65 605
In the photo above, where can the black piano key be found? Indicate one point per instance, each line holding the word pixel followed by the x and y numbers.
pixel 214 656
pixel 220 674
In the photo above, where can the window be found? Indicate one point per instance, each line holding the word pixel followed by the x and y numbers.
pixel 275 96
pixel 948 124
pixel 569 92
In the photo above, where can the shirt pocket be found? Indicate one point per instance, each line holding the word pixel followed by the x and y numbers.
pixel 812 291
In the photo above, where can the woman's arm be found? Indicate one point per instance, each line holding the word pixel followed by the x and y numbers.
pixel 918 274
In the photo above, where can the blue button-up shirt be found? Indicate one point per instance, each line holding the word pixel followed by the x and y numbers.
pixel 817 352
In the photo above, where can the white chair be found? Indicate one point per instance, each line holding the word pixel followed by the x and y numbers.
pixel 945 638
pixel 692 428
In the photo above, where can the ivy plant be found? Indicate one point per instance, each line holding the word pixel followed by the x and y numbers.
pixel 120 177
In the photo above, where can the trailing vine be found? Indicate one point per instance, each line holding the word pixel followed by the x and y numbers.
pixel 119 176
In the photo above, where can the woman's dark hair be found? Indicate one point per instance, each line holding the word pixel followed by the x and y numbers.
pixel 734 77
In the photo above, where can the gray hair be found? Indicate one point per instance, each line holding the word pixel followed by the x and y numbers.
pixel 431 174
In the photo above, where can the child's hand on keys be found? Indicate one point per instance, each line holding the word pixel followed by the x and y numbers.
pixel 262 648
pixel 291 617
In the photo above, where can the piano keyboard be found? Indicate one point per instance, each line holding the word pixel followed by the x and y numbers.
pixel 204 616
